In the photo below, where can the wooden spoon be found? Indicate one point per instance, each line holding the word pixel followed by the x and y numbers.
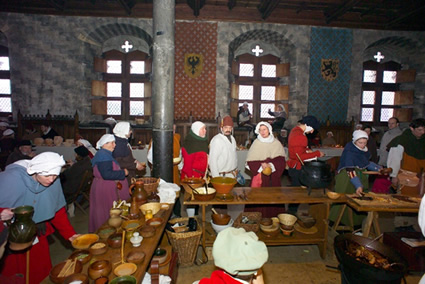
pixel 213 210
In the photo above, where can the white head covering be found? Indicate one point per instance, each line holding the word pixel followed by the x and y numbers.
pixel 4 124
pixel 122 129
pixel 329 132
pixel 46 164
pixel 357 134
pixel 87 144
pixel 104 139
pixel 268 139
pixel 196 126
pixel 245 104
pixel 8 132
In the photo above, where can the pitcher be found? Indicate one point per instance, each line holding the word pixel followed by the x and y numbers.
pixel 139 194
pixel 22 232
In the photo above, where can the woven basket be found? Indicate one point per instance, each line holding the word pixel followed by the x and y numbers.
pixel 287 219
pixel 254 217
pixel 150 184
pixel 185 244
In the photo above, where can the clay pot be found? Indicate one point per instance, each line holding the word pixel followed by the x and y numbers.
pixel 99 268
pixel 115 219
pixel 138 193
pixel 23 230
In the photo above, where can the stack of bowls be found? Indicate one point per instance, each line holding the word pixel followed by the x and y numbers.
pixel 269 227
pixel 287 222
pixel 219 228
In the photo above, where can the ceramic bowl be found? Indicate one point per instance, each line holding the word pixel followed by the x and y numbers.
pixel 54 272
pixel 98 248
pixel 201 193
pixel 160 255
pixel 154 206
pixel 333 195
pixel 223 185
pixel 99 268
pixel 190 183
pixel 220 219
pixel 105 232
pixel 287 233
pixel 135 256
pixel 124 280
pixel 131 225
pixel 306 221
pixel 147 231
pixel 219 228
pixel 266 222
pixel 272 231
pixel 155 222
pixel 83 256
pixel 114 240
pixel 76 278
pixel 125 269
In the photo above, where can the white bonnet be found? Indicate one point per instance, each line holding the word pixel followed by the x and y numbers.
pixel 359 134
pixel 104 139
pixel 8 132
pixel 122 129
pixel 196 126
pixel 45 164
pixel 257 128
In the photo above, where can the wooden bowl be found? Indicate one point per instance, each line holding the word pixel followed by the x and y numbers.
pixel 135 256
pixel 99 268
pixel 105 232
pixel 333 195
pixel 54 272
pixel 266 222
pixel 76 278
pixel 125 269
pixel 201 193
pixel 160 255
pixel 306 221
pixel 131 225
pixel 272 231
pixel 84 241
pixel 223 185
pixel 155 222
pixel 83 256
pixel 221 219
pixel 154 206
pixel 189 183
pixel 287 219
pixel 98 248
pixel 124 280
pixel 287 227
pixel 114 240
pixel 147 231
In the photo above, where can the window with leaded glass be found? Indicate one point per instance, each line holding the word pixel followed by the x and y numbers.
pixel 5 84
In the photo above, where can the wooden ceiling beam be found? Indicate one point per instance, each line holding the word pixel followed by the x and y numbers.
pixel 231 4
pixel 402 17
pixel 341 10
pixel 196 6
pixel 57 4
pixel 266 7
pixel 127 7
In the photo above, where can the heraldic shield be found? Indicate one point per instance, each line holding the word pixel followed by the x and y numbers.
pixel 193 64
pixel 329 69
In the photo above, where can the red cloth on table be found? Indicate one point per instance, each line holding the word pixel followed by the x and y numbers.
pixel 298 144
pixel 219 277
pixel 194 164
pixel 13 264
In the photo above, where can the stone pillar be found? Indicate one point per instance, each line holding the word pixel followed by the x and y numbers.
pixel 163 88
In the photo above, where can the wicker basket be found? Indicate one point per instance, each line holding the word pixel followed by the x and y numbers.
pixel 254 217
pixel 150 184
pixel 185 244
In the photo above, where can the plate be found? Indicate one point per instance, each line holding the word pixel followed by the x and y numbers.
pixel 125 269
pixel 84 241
pixel 307 231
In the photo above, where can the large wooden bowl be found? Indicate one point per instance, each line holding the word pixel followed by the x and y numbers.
pixel 223 185
pixel 189 183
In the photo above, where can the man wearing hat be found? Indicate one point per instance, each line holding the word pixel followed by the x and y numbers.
pixel 244 119
pixel 22 152
pixel 239 255
pixel 71 177
pixel 223 160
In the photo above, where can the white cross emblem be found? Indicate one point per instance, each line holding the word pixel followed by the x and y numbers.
pixel 379 56
pixel 126 46
pixel 257 50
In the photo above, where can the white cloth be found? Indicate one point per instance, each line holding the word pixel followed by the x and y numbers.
pixel 386 138
pixel 122 129
pixel 357 134
pixel 394 159
pixel 163 279
pixel 167 191
pixel 45 164
pixel 222 156
pixel 196 127
pixel 104 139
pixel 87 144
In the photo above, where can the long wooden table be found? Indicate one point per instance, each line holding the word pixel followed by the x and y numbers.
pixel 319 209
pixel 148 246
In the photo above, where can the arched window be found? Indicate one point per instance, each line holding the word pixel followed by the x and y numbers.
pixel 5 85
pixel 382 93
pixel 126 88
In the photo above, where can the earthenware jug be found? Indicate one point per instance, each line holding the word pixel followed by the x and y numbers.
pixel 115 219
pixel 22 232
pixel 139 194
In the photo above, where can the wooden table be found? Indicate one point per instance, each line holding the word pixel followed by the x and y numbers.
pixel 319 209
pixel 148 246
pixel 372 214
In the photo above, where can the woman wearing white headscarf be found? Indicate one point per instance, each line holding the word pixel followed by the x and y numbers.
pixel 280 117
pixel 122 152
pixel 34 182
pixel 105 187
pixel 195 151
pixel 85 143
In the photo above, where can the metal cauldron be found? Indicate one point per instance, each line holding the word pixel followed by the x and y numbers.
pixel 316 174
pixel 354 271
